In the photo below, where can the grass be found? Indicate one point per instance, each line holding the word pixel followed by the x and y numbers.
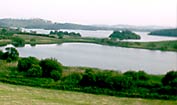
pixel 20 95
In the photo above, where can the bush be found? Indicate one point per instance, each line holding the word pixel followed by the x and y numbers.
pixel 140 75
pixel 24 64
pixel 56 75
pixel 34 71
pixel 49 65
pixel 170 78
pixel 72 79
pixel 89 78
pixel 119 82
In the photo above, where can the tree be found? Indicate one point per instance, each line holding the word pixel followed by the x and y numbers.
pixel 170 78
pixel 140 75
pixel 18 42
pixel 125 34
pixel 48 65
pixel 1 54
pixel 11 54
pixel 24 64
pixel 89 78
pixel 55 74
pixel 34 71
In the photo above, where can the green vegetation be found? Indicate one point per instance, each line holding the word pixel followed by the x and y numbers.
pixel 5 32
pixel 51 68
pixel 62 34
pixel 18 95
pixel 49 73
pixel 28 38
pixel 165 32
pixel 18 42
pixel 32 67
pixel 10 55
pixel 126 34
pixel 24 64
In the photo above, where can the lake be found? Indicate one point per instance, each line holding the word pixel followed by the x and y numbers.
pixel 105 33
pixel 104 57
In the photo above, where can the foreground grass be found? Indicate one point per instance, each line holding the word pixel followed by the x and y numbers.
pixel 20 95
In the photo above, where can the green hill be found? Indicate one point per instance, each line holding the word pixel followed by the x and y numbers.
pixel 20 95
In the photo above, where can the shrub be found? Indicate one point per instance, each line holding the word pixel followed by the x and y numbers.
pixel 89 78
pixel 170 78
pixel 102 77
pixel 73 78
pixel 48 65
pixel 56 75
pixel 34 71
pixel 140 75
pixel 25 63
pixel 119 82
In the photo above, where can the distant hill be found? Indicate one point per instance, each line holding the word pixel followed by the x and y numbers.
pixel 46 24
pixel 165 32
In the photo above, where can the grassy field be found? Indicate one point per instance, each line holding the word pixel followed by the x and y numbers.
pixel 24 95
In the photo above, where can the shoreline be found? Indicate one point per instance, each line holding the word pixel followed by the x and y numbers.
pixel 169 45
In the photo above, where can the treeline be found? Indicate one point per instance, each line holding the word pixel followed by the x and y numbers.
pixel 62 34
pixel 125 34
pixel 165 32
pixel 6 32
pixel 49 73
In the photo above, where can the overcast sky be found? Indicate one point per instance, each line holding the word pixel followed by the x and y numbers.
pixel 132 12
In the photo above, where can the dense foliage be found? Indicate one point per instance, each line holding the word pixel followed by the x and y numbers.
pixel 24 64
pixel 11 54
pixel 170 79
pixel 51 68
pixel 62 34
pixel 8 31
pixel 165 32
pixel 125 34
pixel 49 73
pixel 34 71
pixel 18 42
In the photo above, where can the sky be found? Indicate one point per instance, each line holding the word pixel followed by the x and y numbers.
pixel 108 12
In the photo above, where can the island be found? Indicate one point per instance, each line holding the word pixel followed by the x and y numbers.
pixel 125 34
pixel 64 34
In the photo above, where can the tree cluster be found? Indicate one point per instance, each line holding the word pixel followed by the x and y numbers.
pixel 125 34
pixel 165 32
pixel 48 68
pixel 61 34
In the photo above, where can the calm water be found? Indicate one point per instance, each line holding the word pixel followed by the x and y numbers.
pixel 105 57
pixel 105 33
